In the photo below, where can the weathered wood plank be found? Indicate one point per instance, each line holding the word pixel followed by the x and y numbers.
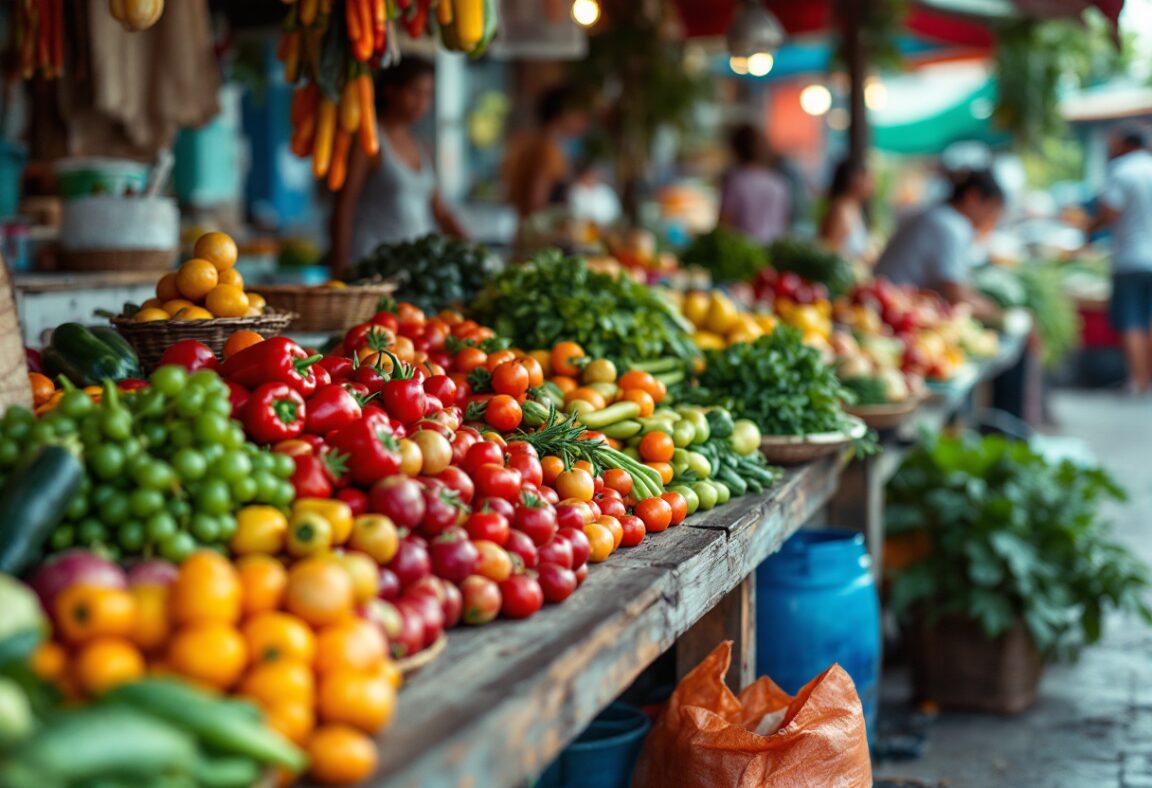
pixel 503 700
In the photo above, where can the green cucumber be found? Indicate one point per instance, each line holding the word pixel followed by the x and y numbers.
pixel 87 358
pixel 32 503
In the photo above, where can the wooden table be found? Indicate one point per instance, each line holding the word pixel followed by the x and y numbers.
pixel 503 700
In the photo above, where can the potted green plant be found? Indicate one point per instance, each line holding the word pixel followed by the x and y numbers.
pixel 1014 567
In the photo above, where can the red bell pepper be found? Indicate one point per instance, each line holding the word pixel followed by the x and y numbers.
pixel 357 390
pixel 371 446
pixel 338 367
pixel 312 478
pixel 369 377
pixel 357 500
pixel 323 376
pixel 331 407
pixel 132 384
pixel 275 360
pixel 238 396
pixel 275 412
pixel 190 354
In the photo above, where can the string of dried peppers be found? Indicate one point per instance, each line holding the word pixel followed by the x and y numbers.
pixel 330 50
pixel 40 37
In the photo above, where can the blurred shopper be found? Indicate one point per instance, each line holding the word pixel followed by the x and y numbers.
pixel 537 171
pixel 590 199
pixel 755 198
pixel 932 249
pixel 844 229
pixel 393 196
pixel 1126 208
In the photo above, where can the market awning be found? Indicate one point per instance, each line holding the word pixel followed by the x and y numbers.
pixel 966 117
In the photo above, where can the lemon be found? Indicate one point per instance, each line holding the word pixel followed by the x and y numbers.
pixel 722 313
pixel 695 307
pixel 148 314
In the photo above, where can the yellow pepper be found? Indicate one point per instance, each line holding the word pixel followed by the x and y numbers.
pixel 308 534
pixel 337 513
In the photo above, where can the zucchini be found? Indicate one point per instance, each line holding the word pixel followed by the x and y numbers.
pixel 32 503
pixel 87 358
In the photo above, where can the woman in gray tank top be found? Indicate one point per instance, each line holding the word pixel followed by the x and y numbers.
pixel 393 196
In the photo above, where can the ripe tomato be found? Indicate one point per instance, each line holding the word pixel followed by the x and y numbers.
pixel 442 510
pixel 494 563
pixel 482 453
pixel 557 550
pixel 340 755
pixel 503 413
pixel 435 451
pixel 556 583
pixel 678 504
pixel 442 388
pixel 357 500
pixel 497 481
pixel 106 662
pixel 320 591
pixel 509 377
pixel 528 465
pixel 613 525
pixel 613 507
pixel 581 573
pixel 534 370
pixel 273 636
pixel 454 556
pixel 482 600
pixel 638 379
pixel 489 526
pixel 552 467
pixel 549 495
pixel 462 442
pixel 567 358
pixel 576 483
pixel 571 515
pixel 210 652
pixel 468 359
pixel 601 540
pixel 84 612
pixel 655 512
pixel 287 680
pixel 581 548
pixel 657 446
pixel 362 699
pixel 411 562
pixel 355 644
pixel 399 498
pixel 190 354
pixel 536 519
pixel 641 398
pixel 207 589
pixel 456 479
pixel 263 580
pixel 501 506
pixel 522 596
pixel 634 530
pixel 521 545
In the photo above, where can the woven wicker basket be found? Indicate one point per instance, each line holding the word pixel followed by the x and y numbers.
pixel 798 449
pixel 151 339
pixel 888 416
pixel 409 666
pixel 323 309
pixel 118 260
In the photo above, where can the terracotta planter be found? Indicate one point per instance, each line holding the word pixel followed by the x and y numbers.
pixel 955 665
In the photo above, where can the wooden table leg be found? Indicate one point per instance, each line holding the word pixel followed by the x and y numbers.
pixel 859 505
pixel 733 618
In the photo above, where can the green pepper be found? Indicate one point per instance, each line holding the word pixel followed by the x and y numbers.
pixel 88 356
pixel 720 423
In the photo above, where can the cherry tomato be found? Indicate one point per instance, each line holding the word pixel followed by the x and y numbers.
pixel 456 479
pixel 619 480
pixel 468 359
pixel 400 498
pixel 678 505
pixel 503 413
pixel 613 507
pixel 613 525
pixel 536 519
pixel 576 483
pixel 557 550
pixel 501 506
pixel 442 388
pixel 528 465
pixel 498 481
pixel 190 354
pixel 657 446
pixel 495 562
pixel 510 377
pixel 464 439
pixel 454 556
pixel 520 545
pixel 581 573
pixel 655 512
pixel 357 501
pixel 482 600
pixel 442 511
pixel 580 545
pixel 557 583
pixel 549 495
pixel 534 370
pixel 634 530
pixel 552 467
pixel 522 596
pixel 490 526
pixel 571 516
pixel 482 453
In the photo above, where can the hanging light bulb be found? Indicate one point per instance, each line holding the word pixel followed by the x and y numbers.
pixel 875 93
pixel 585 12
pixel 739 65
pixel 760 64
pixel 754 30
pixel 815 100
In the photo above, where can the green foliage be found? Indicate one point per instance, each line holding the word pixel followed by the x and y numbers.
pixel 867 389
pixel 1040 288
pixel 813 262
pixel 729 255
pixel 777 381
pixel 554 298
pixel 1011 535
pixel 434 272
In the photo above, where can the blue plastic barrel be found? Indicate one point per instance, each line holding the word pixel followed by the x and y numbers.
pixel 604 755
pixel 816 604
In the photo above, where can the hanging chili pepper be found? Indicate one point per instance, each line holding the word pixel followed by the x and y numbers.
pixel 325 134
pixel 364 45
pixel 369 142
pixel 444 12
pixel 469 22
pixel 290 55
pixel 352 15
pixel 305 129
pixel 380 23
pixel 308 11
pixel 350 107
pixel 338 169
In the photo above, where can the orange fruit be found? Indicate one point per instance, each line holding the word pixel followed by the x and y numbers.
pixel 217 248
pixel 152 303
pixel 240 340
pixel 176 304
pixel 207 589
pixel 230 277
pixel 262 583
pixel 49 660
pixel 227 301
pixel 150 314
pixel 362 699
pixel 210 652
pixel 350 645
pixel 106 662
pixel 256 301
pixel 196 278
pixel 274 635
pixel 291 719
pixel 320 591
pixel 193 313
pixel 84 612
pixel 281 680
pixel 151 627
pixel 602 541
pixel 339 755
pixel 166 288
pixel 390 673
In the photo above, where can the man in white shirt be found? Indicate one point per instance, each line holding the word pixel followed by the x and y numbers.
pixel 933 249
pixel 1126 207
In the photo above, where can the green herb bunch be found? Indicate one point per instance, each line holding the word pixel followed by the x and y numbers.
pixel 434 272
pixel 778 382
pixel 1011 534
pixel 812 262
pixel 730 256
pixel 553 298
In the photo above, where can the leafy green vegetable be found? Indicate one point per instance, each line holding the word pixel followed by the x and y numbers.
pixel 813 262
pixel 730 256
pixel 434 272
pixel 868 389
pixel 1011 534
pixel 1040 288
pixel 553 298
pixel 778 382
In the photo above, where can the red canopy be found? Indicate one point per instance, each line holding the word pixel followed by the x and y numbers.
pixel 711 17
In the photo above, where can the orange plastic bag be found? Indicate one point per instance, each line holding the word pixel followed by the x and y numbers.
pixel 709 738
